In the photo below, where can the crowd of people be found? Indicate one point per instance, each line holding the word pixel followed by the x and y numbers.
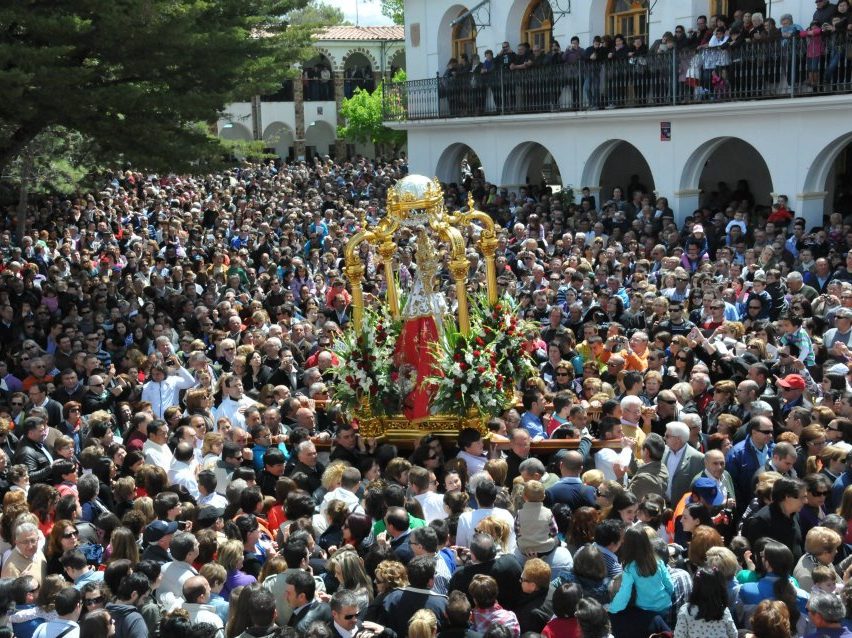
pixel 744 56
pixel 172 461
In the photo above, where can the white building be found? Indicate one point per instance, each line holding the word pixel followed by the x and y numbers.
pixel 795 143
pixel 301 119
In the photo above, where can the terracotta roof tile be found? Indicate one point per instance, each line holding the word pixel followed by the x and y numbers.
pixel 362 33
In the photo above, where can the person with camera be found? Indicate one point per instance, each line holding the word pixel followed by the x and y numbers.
pixel 167 380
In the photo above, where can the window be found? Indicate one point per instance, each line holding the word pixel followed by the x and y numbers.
pixel 627 17
pixel 727 7
pixel 464 39
pixel 538 25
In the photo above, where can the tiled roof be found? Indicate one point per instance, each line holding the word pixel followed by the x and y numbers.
pixel 362 33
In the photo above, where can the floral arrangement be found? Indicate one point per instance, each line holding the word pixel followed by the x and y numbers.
pixel 366 373
pixel 501 329
pixel 480 371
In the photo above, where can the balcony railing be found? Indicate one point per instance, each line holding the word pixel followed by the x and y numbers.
pixel 763 70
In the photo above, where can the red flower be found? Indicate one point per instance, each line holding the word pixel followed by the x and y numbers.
pixel 476 353
pixel 463 366
pixel 480 341
pixel 481 369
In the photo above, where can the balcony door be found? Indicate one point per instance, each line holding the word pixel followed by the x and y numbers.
pixel 538 25
pixel 727 7
pixel 627 17
pixel 464 39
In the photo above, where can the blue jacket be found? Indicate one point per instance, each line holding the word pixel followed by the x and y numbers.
pixel 840 484
pixel 751 594
pixel 742 463
pixel 653 593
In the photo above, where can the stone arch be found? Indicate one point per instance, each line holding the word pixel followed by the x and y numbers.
pixel 514 24
pixel 448 168
pixel 234 131
pixel 396 58
pixel 605 169
pixel 322 52
pixel 741 161
pixel 530 162
pixel 320 135
pixel 374 65
pixel 823 164
pixel 445 34
pixel 280 137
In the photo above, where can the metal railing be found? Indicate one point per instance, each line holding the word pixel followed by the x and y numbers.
pixel 780 68
pixel 317 90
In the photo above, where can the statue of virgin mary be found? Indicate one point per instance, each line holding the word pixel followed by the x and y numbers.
pixel 423 319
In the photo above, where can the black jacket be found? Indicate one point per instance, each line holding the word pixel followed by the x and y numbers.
pixel 311 613
pixel 128 621
pixel 770 521
pixel 399 606
pixel 505 569
pixel 34 456
pixel 534 611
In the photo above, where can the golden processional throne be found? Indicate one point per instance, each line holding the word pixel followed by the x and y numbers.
pixel 393 344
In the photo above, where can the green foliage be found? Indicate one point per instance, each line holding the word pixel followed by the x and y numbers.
pixel 251 151
pixel 318 14
pixel 395 10
pixel 363 116
pixel 57 160
pixel 134 77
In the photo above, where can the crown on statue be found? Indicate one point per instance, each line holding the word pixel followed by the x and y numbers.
pixel 414 199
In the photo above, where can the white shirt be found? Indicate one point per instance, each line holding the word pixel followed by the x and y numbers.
pixel 607 458
pixel 204 613
pixel 474 463
pixel 173 576
pixel 214 498
pixel 341 494
pixel 156 454
pixel 469 520
pixel 53 628
pixel 166 393
pixel 182 473
pixel 231 410
pixel 343 633
pixel 433 507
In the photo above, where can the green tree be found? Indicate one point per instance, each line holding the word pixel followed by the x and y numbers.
pixel 364 122
pixel 317 13
pixel 135 77
pixel 395 10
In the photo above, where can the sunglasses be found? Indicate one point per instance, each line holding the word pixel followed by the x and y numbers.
pixel 74 534
pixel 767 432
pixel 94 601
pixel 350 616
pixel 819 494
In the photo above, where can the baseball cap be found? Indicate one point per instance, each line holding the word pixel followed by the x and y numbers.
pixel 707 489
pixel 158 529
pixel 795 381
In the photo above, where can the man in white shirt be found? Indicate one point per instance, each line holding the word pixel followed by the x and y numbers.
pixel 207 490
pixel 486 491
pixel 234 403
pixel 614 463
pixel 155 449
pixel 167 380
pixel 350 480
pixel 67 604
pixel 183 469
pixel 472 448
pixel 196 593
pixel 184 550
pixel 423 489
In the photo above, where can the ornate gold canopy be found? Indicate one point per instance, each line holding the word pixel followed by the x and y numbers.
pixel 417 202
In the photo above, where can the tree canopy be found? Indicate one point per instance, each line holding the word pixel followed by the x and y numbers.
pixel 363 116
pixel 395 10
pixel 135 77
pixel 317 13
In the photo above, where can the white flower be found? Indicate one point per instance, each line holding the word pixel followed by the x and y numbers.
pixel 464 387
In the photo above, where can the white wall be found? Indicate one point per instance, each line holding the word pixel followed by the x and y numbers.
pixel 798 156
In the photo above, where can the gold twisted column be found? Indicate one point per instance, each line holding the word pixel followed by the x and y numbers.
pixel 355 273
pixel 386 250
pixel 488 246
pixel 458 268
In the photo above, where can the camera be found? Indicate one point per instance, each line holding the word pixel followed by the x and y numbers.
pixel 181 526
